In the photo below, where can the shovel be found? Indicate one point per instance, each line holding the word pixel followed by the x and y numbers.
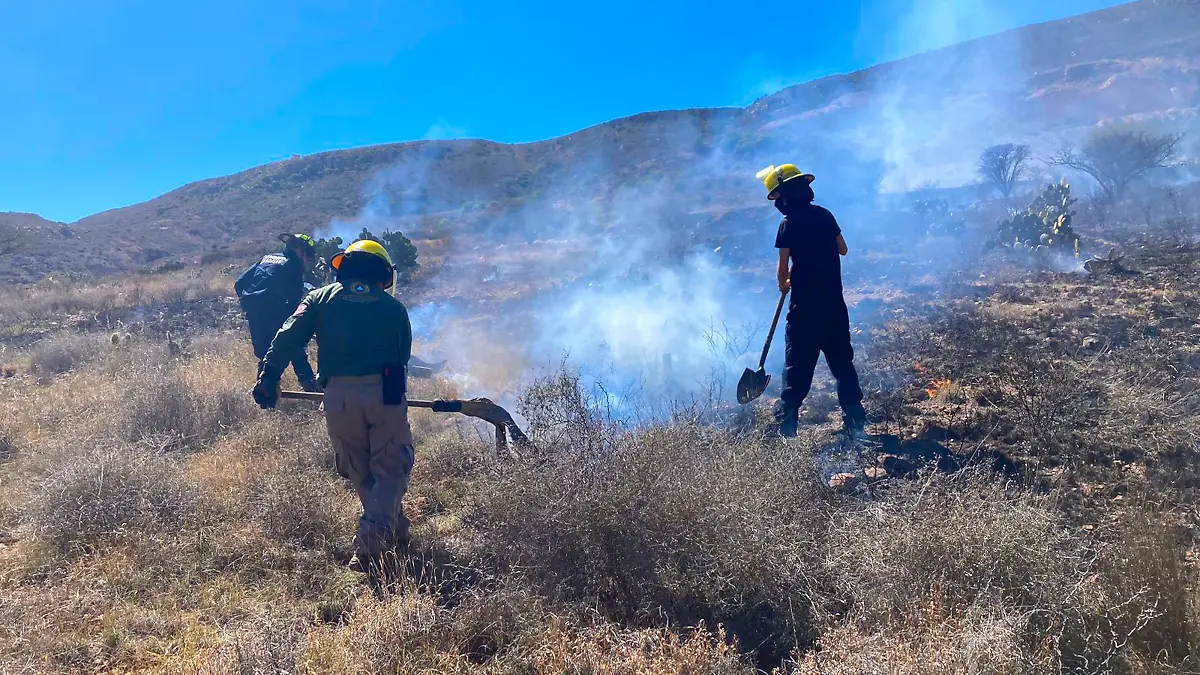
pixel 754 382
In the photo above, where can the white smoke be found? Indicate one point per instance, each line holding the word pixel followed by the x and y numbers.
pixel 666 283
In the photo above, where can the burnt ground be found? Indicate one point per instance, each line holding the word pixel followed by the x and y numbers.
pixel 1087 385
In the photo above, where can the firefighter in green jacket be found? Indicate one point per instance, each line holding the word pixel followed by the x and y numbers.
pixel 364 343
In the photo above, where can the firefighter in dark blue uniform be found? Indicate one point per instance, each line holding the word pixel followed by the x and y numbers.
pixel 810 247
pixel 269 293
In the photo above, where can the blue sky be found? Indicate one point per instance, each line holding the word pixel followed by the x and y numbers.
pixel 105 103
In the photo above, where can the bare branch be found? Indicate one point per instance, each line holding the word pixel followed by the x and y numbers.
pixel 1116 159
pixel 1002 165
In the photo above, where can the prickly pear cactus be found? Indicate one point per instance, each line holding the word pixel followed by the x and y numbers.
pixel 937 217
pixel 1046 225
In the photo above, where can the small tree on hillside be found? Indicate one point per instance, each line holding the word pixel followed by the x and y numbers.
pixel 402 251
pixel 1002 165
pixel 12 240
pixel 1117 158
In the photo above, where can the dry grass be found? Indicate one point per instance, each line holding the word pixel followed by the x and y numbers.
pixel 104 303
pixel 958 541
pixel 62 353
pixel 729 533
pixel 153 520
pixel 97 495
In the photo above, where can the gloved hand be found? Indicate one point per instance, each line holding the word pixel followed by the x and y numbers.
pixel 266 390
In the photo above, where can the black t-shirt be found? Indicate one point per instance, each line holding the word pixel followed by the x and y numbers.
pixel 810 233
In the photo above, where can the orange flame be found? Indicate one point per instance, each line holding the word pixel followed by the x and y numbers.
pixel 937 386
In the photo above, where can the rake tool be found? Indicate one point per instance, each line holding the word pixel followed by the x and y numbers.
pixel 479 408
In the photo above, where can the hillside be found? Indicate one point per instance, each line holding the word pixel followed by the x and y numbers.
pixel 894 127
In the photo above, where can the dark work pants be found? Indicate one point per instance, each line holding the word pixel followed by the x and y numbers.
pixel 812 331
pixel 262 331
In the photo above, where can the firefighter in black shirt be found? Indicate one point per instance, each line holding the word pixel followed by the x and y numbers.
pixel 810 247
pixel 270 291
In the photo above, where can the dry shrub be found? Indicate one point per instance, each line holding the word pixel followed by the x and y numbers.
pixel 398 636
pixel 960 540
pixel 1050 405
pixel 8 442
pixel 677 525
pixel 1155 416
pixel 645 652
pixel 297 439
pixel 105 493
pixel 227 410
pixel 62 353
pixel 159 407
pixel 299 507
pixel 43 628
pixel 970 548
pixel 927 643
pixel 507 632
pixel 270 647
pixel 561 415
pixel 1148 615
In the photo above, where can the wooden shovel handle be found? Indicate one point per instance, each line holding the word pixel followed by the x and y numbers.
pixel 762 361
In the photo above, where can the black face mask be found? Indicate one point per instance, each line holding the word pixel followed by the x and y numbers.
pixel 794 194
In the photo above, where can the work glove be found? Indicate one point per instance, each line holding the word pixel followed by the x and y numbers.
pixel 266 390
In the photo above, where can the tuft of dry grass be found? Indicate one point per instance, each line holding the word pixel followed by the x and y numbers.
pixel 507 632
pixel 962 541
pixel 98 495
pixel 927 643
pixel 300 508
pixel 63 353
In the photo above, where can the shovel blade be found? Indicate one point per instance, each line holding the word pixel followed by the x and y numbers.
pixel 752 385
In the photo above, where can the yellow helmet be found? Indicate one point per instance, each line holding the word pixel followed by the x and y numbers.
pixel 301 242
pixel 774 176
pixel 365 247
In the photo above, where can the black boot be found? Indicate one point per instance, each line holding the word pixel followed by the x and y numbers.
pixel 854 419
pixel 788 419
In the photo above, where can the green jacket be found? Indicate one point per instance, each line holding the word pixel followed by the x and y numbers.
pixel 359 330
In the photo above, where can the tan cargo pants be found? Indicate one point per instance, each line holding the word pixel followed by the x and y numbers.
pixel 373 449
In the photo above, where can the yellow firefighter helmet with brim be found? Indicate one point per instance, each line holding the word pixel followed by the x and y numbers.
pixel 301 242
pixel 774 176
pixel 366 247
